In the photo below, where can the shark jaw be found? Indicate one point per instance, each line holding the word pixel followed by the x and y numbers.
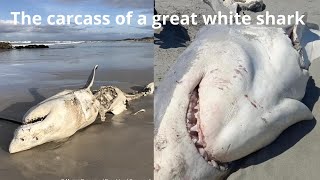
pixel 177 151
pixel 195 130
pixel 38 119
pixel 57 117
pixel 50 122
pixel 239 112
pixel 193 124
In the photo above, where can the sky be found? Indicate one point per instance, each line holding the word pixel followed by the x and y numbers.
pixel 44 32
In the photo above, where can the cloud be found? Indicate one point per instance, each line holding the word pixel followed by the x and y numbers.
pixel 144 4
pixel 72 1
pixel 58 29
pixel 146 11
pixel 139 4
pixel 7 26
pixel 145 27
pixel 12 32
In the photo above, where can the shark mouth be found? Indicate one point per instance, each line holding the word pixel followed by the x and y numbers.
pixel 35 120
pixel 195 129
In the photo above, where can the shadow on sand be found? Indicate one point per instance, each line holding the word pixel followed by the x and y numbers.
pixel 287 139
pixel 6 134
pixel 16 111
pixel 11 117
pixel 137 88
pixel 172 36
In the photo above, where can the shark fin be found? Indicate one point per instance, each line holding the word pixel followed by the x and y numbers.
pixel 91 78
pixel 289 112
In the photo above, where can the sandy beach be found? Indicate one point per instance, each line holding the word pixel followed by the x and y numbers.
pixel 294 155
pixel 119 148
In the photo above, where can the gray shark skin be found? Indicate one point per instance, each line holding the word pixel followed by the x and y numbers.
pixel 57 117
pixel 230 93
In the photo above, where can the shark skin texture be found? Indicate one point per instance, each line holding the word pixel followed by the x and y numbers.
pixel 57 117
pixel 230 93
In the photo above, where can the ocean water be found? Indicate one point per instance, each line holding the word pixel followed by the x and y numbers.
pixel 31 65
pixel 99 151
pixel 31 75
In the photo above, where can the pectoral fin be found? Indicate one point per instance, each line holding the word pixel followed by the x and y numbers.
pixel 287 113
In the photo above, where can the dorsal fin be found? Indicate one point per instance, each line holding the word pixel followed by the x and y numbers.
pixel 91 78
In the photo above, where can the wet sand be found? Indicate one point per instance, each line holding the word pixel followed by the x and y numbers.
pixel 121 147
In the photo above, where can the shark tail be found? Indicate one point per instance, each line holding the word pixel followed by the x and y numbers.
pixel 147 90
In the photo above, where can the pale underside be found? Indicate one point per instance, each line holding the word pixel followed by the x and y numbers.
pixel 57 117
pixel 246 84
pixel 63 114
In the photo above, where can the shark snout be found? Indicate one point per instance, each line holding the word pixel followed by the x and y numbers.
pixel 40 126
pixel 31 134
pixel 26 137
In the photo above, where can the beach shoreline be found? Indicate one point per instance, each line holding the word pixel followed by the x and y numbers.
pixel 103 150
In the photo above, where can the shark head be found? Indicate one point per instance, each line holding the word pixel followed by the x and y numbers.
pixel 206 117
pixel 57 117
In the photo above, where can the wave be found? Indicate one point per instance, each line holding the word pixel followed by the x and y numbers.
pixel 47 43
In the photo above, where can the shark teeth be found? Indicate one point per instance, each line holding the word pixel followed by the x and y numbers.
pixel 200 143
pixel 193 117
pixel 34 120
pixel 194 128
pixel 195 132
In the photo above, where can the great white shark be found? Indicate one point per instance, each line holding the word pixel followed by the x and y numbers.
pixel 57 117
pixel 230 93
